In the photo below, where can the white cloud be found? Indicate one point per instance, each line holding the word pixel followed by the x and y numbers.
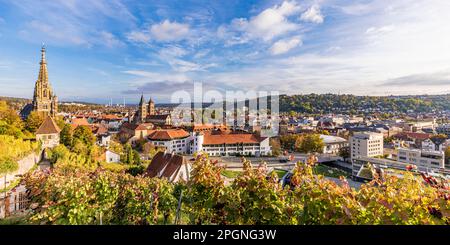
pixel 139 36
pixel 358 9
pixel 313 14
pixel 267 25
pixel 156 76
pixel 169 31
pixel 165 31
pixel 283 46
pixel 109 40
pixel 172 51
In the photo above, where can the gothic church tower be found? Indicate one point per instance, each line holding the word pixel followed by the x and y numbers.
pixel 151 107
pixel 44 101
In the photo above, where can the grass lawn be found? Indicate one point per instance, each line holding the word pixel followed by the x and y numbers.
pixel 230 173
pixel 329 171
pixel 280 173
pixel 15 220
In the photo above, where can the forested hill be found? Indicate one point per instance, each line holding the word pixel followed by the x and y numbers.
pixel 326 103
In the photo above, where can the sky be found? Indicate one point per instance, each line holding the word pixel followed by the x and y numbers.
pixel 100 50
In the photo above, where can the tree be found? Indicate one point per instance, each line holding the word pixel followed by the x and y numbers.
pixel 8 165
pixel 34 121
pixel 447 155
pixel 288 141
pixel 66 135
pixel 84 135
pixel 276 146
pixel 136 158
pixel 10 122
pixel 116 147
pixel 130 155
pixel 310 143
pixel 149 149
pixel 344 152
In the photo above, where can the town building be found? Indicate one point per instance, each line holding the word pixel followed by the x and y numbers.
pixel 443 129
pixel 171 166
pixel 366 144
pixel 160 120
pixel 230 144
pixel 435 144
pixel 333 144
pixel 48 133
pixel 112 157
pixel 173 140
pixel 423 158
pixel 413 139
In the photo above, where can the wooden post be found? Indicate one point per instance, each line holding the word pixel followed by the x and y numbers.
pixel 177 217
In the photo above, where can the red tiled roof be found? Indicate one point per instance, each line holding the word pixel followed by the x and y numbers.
pixel 158 117
pixel 48 127
pixel 204 127
pixel 99 129
pixel 168 134
pixel 170 163
pixel 219 139
pixel 144 126
pixel 110 117
pixel 413 135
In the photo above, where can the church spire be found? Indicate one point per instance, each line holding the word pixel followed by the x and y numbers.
pixel 43 73
pixel 43 61
pixel 44 101
pixel 142 100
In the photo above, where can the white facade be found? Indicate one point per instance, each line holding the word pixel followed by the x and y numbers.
pixel 230 149
pixel 112 157
pixel 178 146
pixel 196 144
pixel 429 145
pixel 422 158
pixel 104 140
pixel 333 144
pixel 366 144
pixel 48 140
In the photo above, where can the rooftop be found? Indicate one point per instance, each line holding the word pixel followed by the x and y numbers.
pixel 48 127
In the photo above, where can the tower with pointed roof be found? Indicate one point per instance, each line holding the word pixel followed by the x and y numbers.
pixel 141 113
pixel 44 101
pixel 151 107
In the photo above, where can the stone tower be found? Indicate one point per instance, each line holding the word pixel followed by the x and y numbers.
pixel 141 113
pixel 151 107
pixel 44 101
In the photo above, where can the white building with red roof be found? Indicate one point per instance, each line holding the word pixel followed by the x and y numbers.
pixel 230 144
pixel 173 140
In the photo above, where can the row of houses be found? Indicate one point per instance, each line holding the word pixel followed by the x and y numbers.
pixel 215 142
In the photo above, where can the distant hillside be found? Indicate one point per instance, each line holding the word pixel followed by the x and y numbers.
pixel 15 103
pixel 327 103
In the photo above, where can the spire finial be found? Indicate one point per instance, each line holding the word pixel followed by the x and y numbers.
pixel 43 53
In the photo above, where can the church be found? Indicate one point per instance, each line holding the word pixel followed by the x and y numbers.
pixel 45 102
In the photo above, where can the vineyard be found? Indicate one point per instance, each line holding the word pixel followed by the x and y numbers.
pixel 73 195
pixel 13 148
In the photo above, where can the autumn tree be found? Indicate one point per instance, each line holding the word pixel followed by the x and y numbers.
pixel 276 146
pixel 34 121
pixel 65 135
pixel 288 141
pixel 310 143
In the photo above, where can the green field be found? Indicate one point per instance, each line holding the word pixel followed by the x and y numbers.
pixel 329 171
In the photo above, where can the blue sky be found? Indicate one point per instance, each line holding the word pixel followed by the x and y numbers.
pixel 103 49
